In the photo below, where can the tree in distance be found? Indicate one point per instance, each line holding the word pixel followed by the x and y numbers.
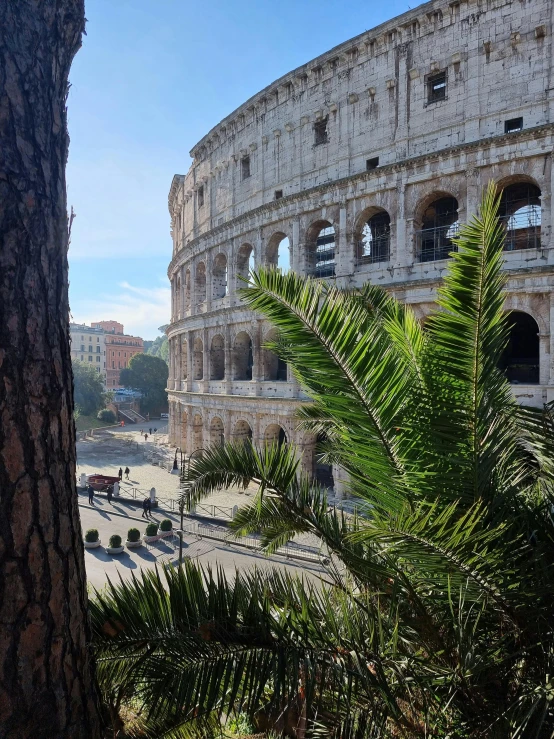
pixel 159 348
pixel 148 375
pixel 435 614
pixel 88 389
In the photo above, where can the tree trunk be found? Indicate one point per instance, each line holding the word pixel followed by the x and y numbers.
pixel 46 683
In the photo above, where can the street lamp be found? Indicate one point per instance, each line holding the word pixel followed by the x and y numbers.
pixel 185 494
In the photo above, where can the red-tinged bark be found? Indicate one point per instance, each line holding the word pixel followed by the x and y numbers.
pixel 46 681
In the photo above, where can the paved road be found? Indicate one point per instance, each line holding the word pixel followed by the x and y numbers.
pixel 118 517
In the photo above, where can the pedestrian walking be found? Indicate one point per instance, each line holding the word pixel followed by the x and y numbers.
pixel 150 431
pixel 109 493
pixel 141 432
pixel 155 430
pixel 120 473
pixel 90 495
pixel 149 507
pixel 145 437
pixel 145 507
pixel 127 473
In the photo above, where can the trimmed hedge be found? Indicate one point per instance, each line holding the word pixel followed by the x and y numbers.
pixel 133 535
pixel 166 525
pixel 106 415
pixel 152 529
pixel 115 541
pixel 91 536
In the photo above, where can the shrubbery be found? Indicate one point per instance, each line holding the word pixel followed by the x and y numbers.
pixel 152 529
pixel 115 541
pixel 106 415
pixel 133 535
pixel 166 525
pixel 91 536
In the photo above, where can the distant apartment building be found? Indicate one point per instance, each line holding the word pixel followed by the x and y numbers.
pixel 88 344
pixel 120 347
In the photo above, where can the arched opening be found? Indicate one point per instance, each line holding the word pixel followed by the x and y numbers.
pixel 521 359
pixel 200 283
pixel 323 472
pixel 275 434
pixel 320 255
pixel 278 252
pixel 439 225
pixel 520 211
pixel 178 295
pixel 217 358
pixel 187 290
pixel 275 369
pixel 245 263
pixel 374 242
pixel 217 436
pixel 219 277
pixel 198 359
pixel 242 432
pixel 197 433
pixel 243 357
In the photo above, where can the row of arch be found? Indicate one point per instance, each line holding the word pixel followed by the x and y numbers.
pixel 238 363
pixel 435 225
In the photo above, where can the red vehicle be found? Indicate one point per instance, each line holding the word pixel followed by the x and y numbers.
pixel 101 482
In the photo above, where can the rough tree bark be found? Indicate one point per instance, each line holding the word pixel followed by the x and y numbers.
pixel 46 685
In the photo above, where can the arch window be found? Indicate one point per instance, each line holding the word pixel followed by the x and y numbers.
pixel 187 290
pixel 520 211
pixel 275 434
pixel 321 252
pixel 439 226
pixel 521 358
pixel 217 358
pixel 275 369
pixel 217 436
pixel 243 357
pixel 200 282
pixel 374 245
pixel 219 277
pixel 278 252
pixel 245 263
pixel 198 360
pixel 242 432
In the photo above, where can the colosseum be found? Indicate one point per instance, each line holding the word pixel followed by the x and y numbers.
pixel 359 167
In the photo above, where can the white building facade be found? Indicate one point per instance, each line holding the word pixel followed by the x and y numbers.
pixel 89 345
pixel 359 167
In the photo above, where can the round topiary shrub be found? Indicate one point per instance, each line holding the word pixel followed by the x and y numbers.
pixel 115 541
pixel 91 536
pixel 133 535
pixel 166 525
pixel 152 529
pixel 106 415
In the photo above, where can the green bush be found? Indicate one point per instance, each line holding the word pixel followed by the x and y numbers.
pixel 106 415
pixel 91 536
pixel 133 535
pixel 166 525
pixel 152 529
pixel 115 541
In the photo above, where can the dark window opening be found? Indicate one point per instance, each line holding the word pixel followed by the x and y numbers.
pixel 520 360
pixel 372 164
pixel 201 196
pixel 278 194
pixel 436 87
pixel 513 125
pixel 322 254
pixel 375 243
pixel 520 212
pixel 245 167
pixel 320 132
pixel 323 472
pixel 439 226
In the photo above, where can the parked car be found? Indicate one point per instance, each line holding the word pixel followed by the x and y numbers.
pixel 164 415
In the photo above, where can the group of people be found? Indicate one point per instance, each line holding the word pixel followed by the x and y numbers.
pixel 127 473
pixel 145 433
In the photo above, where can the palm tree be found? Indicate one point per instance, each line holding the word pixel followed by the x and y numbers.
pixel 435 615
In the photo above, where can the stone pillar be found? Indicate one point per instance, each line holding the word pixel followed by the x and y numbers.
pixel 171 375
pixel 190 416
pixel 153 496
pixel 227 427
pixel 295 246
pixel 551 347
pixel 179 347
pixel 205 361
pixel 545 364
pixel 193 307
pixel 190 347
pixel 257 371
pixel 344 253
pixel 399 250
pixel 209 281
pixel 183 290
pixel 473 195
pixel 228 360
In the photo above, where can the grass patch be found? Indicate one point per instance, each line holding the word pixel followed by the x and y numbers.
pixel 83 423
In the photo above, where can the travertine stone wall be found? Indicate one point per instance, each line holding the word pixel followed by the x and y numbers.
pixel 371 98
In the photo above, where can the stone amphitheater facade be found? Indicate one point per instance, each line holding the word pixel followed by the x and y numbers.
pixel 359 167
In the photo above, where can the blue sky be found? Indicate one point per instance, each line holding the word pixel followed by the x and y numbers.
pixel 152 78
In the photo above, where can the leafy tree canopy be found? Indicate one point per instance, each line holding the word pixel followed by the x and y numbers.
pixel 149 375
pixel 88 388
pixel 159 348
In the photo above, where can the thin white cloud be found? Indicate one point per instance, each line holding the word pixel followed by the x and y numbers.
pixel 141 310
